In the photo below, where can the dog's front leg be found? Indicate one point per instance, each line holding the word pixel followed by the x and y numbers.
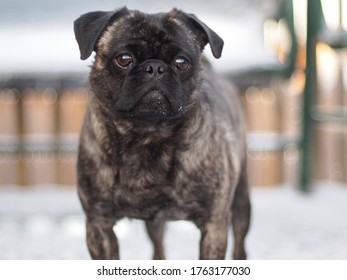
pixel 155 230
pixel 101 239
pixel 214 240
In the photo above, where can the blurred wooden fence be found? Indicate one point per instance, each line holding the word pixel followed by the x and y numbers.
pixel 273 122
pixel 40 122
pixel 39 126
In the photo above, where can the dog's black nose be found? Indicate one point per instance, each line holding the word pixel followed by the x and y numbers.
pixel 155 68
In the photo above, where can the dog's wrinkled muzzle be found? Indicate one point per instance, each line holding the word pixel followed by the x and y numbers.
pixel 154 102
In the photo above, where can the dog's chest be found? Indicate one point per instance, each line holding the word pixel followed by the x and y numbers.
pixel 146 186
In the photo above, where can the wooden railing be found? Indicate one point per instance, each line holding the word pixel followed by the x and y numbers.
pixel 40 122
pixel 39 126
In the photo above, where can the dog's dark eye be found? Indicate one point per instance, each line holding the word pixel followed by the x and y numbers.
pixel 182 63
pixel 124 60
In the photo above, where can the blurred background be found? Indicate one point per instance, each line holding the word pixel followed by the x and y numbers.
pixel 286 57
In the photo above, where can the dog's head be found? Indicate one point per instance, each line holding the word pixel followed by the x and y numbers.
pixel 147 65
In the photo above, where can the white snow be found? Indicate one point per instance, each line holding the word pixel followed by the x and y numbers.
pixel 48 223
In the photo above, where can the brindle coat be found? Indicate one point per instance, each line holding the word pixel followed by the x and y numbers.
pixel 189 163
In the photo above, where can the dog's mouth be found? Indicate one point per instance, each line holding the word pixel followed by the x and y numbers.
pixel 154 103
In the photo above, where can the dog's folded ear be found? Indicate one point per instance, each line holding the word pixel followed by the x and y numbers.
pixel 89 27
pixel 209 36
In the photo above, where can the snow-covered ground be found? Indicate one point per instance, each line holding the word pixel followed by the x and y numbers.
pixel 48 223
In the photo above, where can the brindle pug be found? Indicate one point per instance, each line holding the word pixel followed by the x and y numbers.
pixel 163 137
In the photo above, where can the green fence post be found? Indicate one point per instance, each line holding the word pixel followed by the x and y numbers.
pixel 314 23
